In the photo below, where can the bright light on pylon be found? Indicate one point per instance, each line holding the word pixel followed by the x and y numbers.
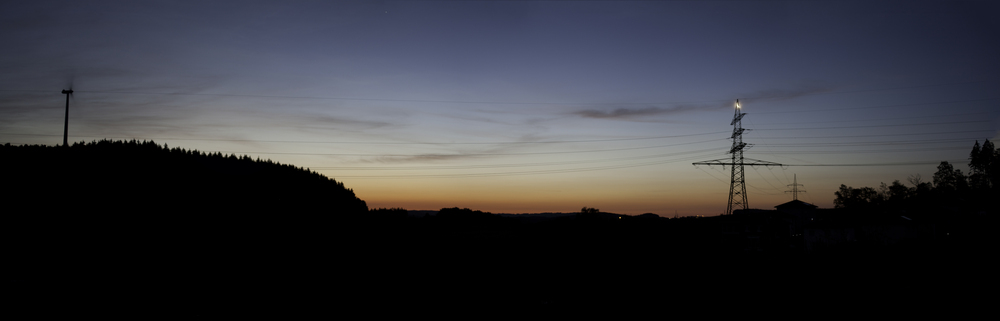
pixel 737 104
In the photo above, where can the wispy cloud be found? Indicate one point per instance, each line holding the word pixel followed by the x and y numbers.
pixel 647 113
pixel 776 94
pixel 642 113
pixel 421 158
pixel 459 152
pixel 622 112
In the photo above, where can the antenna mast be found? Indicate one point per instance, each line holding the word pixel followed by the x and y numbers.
pixel 737 183
pixel 66 121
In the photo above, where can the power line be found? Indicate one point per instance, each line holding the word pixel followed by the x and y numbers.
pixel 764 178
pixel 868 151
pixel 828 144
pixel 508 102
pixel 875 107
pixel 716 150
pixel 392 143
pixel 884 135
pixel 921 163
pixel 875 143
pixel 520 173
pixel 877 119
pixel 479 154
pixel 565 141
pixel 872 126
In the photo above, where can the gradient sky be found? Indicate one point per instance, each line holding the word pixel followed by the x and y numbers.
pixel 520 106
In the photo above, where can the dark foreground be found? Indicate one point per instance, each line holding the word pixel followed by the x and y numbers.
pixel 280 265
pixel 134 230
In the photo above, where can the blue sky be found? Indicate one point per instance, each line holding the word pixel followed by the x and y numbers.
pixel 520 106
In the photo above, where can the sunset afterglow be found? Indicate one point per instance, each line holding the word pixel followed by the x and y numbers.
pixel 521 106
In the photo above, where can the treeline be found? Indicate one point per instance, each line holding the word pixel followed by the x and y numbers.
pixel 949 192
pixel 143 177
pixel 589 231
pixel 122 227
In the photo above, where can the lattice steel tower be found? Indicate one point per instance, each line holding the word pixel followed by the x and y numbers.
pixel 737 185
pixel 795 187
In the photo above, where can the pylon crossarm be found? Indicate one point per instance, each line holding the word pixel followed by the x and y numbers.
pixel 737 118
pixel 737 132
pixel 757 162
pixel 723 162
pixel 737 147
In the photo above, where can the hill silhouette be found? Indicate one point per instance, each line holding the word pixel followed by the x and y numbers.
pixel 126 226
pixel 122 177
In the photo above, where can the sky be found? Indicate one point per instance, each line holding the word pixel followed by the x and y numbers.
pixel 521 106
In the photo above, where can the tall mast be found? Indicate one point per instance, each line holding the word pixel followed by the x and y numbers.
pixel 66 120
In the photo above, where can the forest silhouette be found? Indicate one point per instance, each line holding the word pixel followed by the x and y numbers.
pixel 132 228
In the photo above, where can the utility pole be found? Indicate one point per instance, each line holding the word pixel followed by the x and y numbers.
pixel 737 183
pixel 66 121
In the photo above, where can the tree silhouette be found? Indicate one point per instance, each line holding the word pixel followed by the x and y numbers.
pixel 947 179
pixel 896 192
pixel 849 197
pixel 983 164
pixel 950 191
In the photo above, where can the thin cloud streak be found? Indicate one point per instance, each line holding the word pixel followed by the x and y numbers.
pixel 642 114
pixel 480 153
pixel 633 113
pixel 779 94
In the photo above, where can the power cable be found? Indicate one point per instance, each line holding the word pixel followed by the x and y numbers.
pixel 873 126
pixel 875 119
pixel 390 143
pixel 521 173
pixel 353 168
pixel 507 102
pixel 478 154
pixel 868 151
pixel 884 135
pixel 875 107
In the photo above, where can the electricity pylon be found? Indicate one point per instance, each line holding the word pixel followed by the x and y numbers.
pixel 737 184
pixel 795 187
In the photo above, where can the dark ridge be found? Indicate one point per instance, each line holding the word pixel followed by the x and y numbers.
pixel 133 177
pixel 135 229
